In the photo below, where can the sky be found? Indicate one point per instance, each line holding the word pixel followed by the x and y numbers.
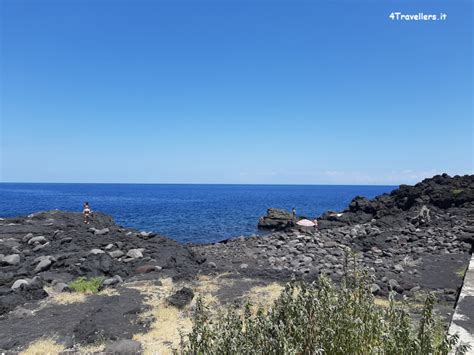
pixel 273 92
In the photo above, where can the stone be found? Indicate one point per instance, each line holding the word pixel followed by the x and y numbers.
pixel 375 289
pixel 181 298
pixel 40 246
pixel 99 231
pixel 243 266
pixel 61 287
pixel 110 282
pixel 212 264
pixel 135 254
pixel 96 251
pixel 12 259
pixel 43 265
pixel 43 257
pixel 116 253
pixel 394 285
pixel 399 268
pixel 27 237
pixel 39 239
pixel 124 347
pixel 17 284
pixel 109 246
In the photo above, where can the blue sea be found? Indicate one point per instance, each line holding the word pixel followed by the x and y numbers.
pixel 186 213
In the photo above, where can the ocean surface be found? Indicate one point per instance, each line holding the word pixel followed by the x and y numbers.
pixel 186 213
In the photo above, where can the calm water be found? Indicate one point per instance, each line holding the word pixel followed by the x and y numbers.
pixel 187 213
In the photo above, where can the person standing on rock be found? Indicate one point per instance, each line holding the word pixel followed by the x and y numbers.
pixel 293 216
pixel 86 211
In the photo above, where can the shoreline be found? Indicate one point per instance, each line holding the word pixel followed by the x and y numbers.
pixel 185 214
pixel 412 241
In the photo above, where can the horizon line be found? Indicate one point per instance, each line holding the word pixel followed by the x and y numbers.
pixel 195 183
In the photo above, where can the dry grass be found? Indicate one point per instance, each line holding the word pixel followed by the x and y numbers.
pixel 109 292
pixel 75 297
pixel 164 333
pixel 264 296
pixel 206 288
pixel 68 298
pixel 45 346
pixel 382 302
pixel 169 322
pixel 91 349
pixel 385 303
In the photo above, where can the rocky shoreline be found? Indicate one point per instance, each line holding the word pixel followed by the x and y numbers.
pixel 414 240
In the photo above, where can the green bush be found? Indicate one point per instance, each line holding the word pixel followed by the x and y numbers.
pixel 84 285
pixel 320 318
pixel 457 192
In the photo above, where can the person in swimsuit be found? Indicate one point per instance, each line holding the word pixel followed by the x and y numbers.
pixel 316 225
pixel 86 211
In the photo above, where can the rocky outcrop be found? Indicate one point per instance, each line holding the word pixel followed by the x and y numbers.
pixel 57 247
pixel 276 219
pixel 413 238
pixel 419 204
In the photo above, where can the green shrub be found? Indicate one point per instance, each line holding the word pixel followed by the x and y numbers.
pixel 320 318
pixel 457 192
pixel 84 285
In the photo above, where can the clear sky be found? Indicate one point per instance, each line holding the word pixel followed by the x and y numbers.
pixel 304 92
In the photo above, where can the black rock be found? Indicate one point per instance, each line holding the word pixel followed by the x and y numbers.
pixel 181 298
pixel 276 219
pixel 408 204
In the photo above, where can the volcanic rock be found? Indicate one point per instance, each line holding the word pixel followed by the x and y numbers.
pixel 12 259
pixel 276 219
pixel 181 298
pixel 135 254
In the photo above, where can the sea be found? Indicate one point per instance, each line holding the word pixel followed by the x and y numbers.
pixel 187 213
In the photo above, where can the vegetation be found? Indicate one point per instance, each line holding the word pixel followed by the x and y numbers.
pixel 457 192
pixel 462 271
pixel 320 318
pixel 84 285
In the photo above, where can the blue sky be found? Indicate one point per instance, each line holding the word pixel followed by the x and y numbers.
pixel 304 92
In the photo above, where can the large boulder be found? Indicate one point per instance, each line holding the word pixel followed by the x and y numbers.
pixel 276 219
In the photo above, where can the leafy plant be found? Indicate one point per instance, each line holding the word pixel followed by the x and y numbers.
pixel 457 192
pixel 320 318
pixel 84 285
